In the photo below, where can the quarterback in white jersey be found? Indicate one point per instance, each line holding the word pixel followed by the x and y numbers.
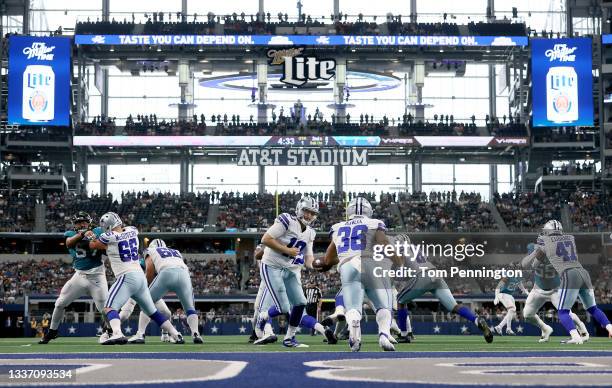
pixel 121 245
pixel 288 247
pixel 172 275
pixel 352 249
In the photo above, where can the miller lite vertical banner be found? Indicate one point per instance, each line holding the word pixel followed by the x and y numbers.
pixel 562 80
pixel 39 80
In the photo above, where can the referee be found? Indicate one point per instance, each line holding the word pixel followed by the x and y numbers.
pixel 313 302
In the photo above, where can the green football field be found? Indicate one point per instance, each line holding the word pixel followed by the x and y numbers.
pixel 217 344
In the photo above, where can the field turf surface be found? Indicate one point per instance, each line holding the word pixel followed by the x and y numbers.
pixel 239 344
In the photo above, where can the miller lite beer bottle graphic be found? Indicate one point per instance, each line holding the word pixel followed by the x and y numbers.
pixel 561 94
pixel 38 93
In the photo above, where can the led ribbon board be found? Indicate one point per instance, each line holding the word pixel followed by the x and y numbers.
pixel 299 141
pixel 305 40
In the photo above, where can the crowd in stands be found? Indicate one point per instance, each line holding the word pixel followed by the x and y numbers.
pixel 417 212
pixel 47 277
pixel 528 211
pixel 258 211
pixel 162 23
pixel 290 125
pixel 17 211
pixel 589 212
pixel 572 168
pixel 152 212
pixel 445 212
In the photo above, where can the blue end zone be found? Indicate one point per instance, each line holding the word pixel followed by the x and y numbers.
pixel 281 369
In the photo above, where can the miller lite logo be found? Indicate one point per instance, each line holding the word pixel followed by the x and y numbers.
pixel 298 69
pixel 40 50
pixel 560 52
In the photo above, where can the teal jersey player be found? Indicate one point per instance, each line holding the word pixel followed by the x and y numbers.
pixel 89 276
pixel 510 285
pixel 84 258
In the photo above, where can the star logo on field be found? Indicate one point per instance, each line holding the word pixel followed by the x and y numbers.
pixel 99 330
pixel 463 329
pixel 437 329
pixel 71 330
pixel 519 329
pixel 242 329
pixel 128 330
pixel 214 329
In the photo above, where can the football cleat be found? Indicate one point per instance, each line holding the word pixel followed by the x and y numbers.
pixel 116 339
pixel 392 339
pixel 404 339
pixel 486 332
pixel 292 343
pixel 411 336
pixel 267 339
pixel 197 339
pixel 510 332
pixel 104 336
pixel 51 335
pixel 179 339
pixel 395 331
pixel 165 337
pixel 253 337
pixel 572 341
pixel 355 345
pixel 498 331
pixel 136 339
pixel 585 337
pixel 545 334
pixel 385 343
pixel 331 337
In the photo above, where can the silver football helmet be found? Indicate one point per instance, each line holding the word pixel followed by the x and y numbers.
pixel 552 227
pixel 306 203
pixel 359 206
pixel 109 221
pixel 157 243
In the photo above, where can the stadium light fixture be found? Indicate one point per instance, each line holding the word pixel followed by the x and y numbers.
pixel 158 48
pixel 112 48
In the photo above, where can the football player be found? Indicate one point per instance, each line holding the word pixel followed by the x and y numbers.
pixel 172 275
pixel 545 289
pixel 288 246
pixel 263 302
pixel 503 293
pixel 418 285
pixel 89 273
pixel 351 248
pixel 559 250
pixel 121 245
